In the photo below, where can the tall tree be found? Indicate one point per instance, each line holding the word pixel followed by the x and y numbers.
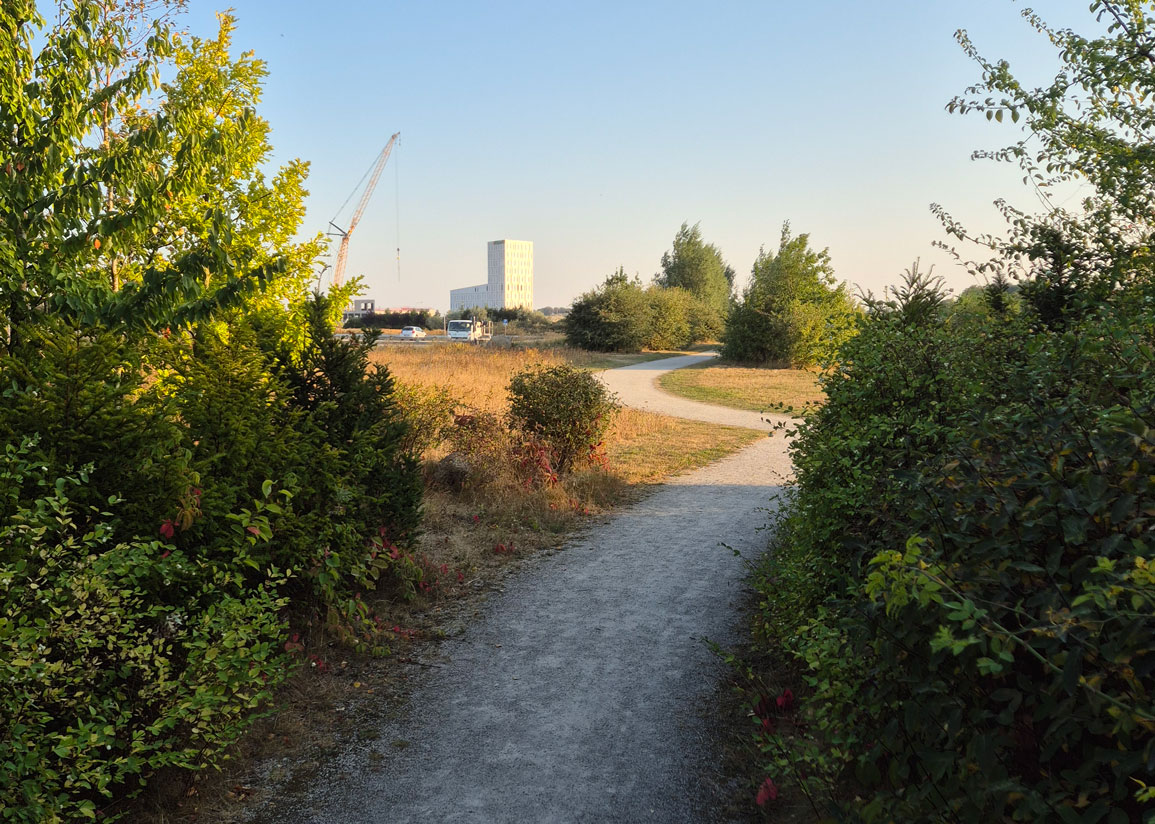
pixel 175 193
pixel 793 310
pixel 698 267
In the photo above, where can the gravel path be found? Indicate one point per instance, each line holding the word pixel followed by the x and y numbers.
pixel 637 386
pixel 582 691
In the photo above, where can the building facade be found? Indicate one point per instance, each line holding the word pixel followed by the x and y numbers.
pixel 468 297
pixel 359 308
pixel 510 281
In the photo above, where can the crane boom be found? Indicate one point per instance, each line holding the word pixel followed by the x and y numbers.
pixel 343 251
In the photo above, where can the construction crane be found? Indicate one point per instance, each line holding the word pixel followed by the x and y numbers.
pixel 343 251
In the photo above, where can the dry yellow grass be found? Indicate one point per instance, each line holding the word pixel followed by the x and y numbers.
pixel 758 390
pixel 475 376
pixel 641 448
pixel 463 531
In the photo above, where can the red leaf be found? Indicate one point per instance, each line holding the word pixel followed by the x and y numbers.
pixel 255 530
pixel 786 700
pixel 168 528
pixel 768 792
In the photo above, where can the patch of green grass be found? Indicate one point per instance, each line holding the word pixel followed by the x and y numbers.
pixel 598 361
pixel 741 387
pixel 660 446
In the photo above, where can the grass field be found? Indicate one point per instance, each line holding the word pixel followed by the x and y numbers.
pixel 739 387
pixel 641 448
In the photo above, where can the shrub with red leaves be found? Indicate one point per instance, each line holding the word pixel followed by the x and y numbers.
pixel 767 792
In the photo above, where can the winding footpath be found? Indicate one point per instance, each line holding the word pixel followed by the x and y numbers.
pixel 581 692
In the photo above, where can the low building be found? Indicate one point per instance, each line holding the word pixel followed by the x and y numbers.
pixel 468 297
pixel 358 309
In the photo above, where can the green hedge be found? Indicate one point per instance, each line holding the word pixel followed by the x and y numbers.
pixel 168 508
pixel 964 575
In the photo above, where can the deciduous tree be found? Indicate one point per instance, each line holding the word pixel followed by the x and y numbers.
pixel 793 311
pixel 1094 125
pixel 698 267
pixel 614 317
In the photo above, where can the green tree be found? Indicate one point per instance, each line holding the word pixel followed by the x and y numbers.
pixel 614 317
pixel 57 221
pixel 199 439
pixel 671 312
pixel 1094 124
pixel 698 267
pixel 793 311
pixel 165 216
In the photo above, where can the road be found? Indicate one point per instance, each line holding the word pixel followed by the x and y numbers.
pixel 582 691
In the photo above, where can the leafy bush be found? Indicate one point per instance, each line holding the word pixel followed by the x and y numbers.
pixel 792 312
pixel 117 658
pixel 566 409
pixel 348 403
pixel 174 642
pixel 977 639
pixel 427 412
pixel 83 392
pixel 615 317
pixel 671 315
pixel 621 316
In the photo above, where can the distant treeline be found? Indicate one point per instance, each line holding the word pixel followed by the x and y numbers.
pixel 427 319
pixel 520 320
pixel 525 319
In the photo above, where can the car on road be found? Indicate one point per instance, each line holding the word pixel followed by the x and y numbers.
pixel 412 332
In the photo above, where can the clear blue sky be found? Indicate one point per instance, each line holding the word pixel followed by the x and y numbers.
pixel 595 129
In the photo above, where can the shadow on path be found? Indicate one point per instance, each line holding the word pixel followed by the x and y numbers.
pixel 581 691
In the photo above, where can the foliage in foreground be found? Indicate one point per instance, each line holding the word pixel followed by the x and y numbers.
pixel 147 591
pixel 120 657
pixel 977 639
pixel 965 571
pixel 191 462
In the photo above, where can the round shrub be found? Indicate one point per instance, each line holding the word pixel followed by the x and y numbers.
pixel 566 409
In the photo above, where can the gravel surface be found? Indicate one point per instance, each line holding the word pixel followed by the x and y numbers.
pixel 637 386
pixel 581 692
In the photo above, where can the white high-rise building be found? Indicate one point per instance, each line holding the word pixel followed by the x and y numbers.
pixel 511 274
pixel 510 281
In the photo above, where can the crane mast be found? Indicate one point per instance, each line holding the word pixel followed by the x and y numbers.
pixel 343 251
